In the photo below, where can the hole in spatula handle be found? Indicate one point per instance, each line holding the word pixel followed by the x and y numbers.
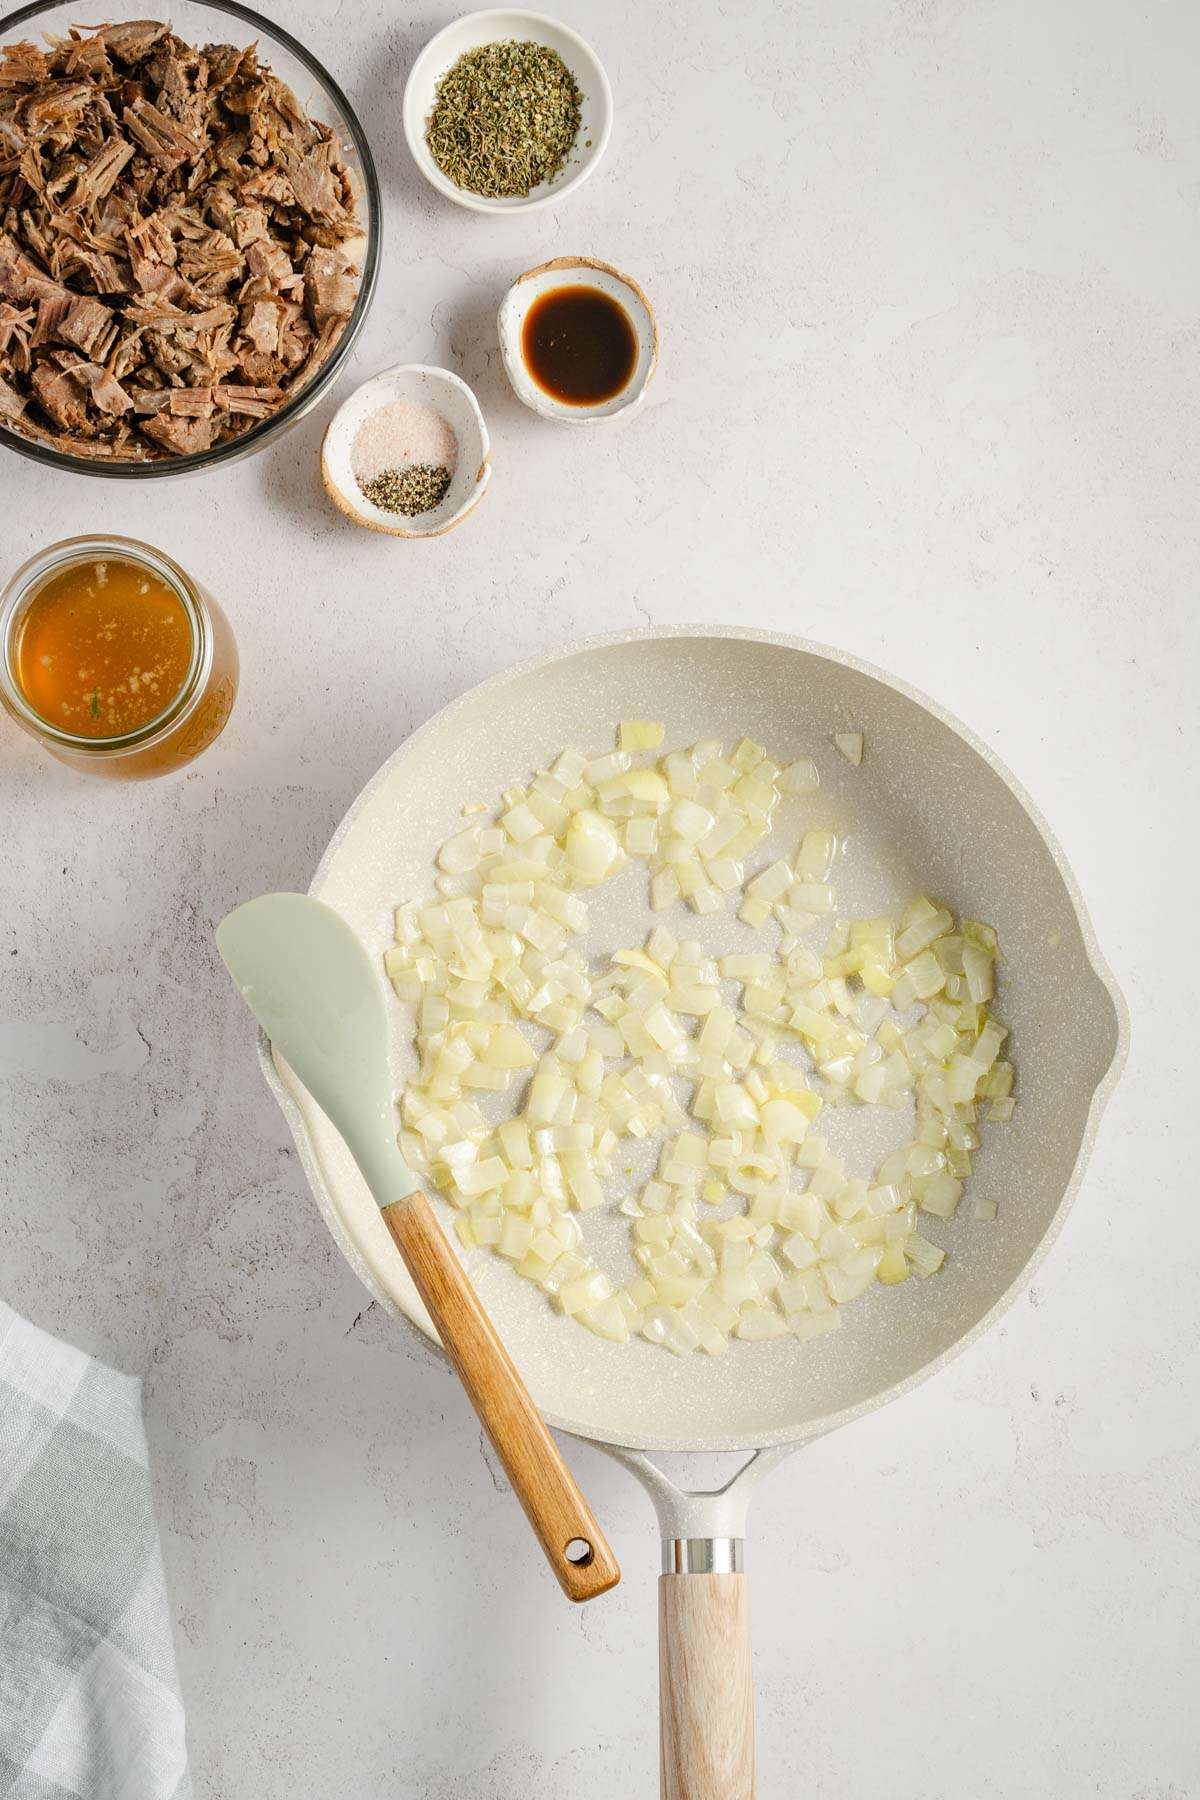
pixel 579 1552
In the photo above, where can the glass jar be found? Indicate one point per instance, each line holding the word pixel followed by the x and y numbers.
pixel 191 719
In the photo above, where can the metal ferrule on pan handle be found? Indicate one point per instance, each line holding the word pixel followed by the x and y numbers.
pixel 704 1556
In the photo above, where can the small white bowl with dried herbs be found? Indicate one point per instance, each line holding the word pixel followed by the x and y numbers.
pixel 407 453
pixel 507 111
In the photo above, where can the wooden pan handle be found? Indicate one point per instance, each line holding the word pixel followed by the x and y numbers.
pixel 541 1480
pixel 706 1693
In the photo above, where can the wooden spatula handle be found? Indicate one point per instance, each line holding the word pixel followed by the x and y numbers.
pixel 541 1479
pixel 706 1692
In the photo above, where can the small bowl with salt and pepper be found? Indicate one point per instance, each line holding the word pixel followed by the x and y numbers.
pixel 407 453
pixel 579 340
pixel 507 111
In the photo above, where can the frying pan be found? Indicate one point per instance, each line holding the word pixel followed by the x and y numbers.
pixel 929 809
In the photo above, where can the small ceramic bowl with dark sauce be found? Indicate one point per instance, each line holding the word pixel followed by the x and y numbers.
pixel 579 340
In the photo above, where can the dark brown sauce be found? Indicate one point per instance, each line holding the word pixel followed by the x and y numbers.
pixel 579 345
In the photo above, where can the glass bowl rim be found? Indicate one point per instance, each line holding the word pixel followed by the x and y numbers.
pixel 260 434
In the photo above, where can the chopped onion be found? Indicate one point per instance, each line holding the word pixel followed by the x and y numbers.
pixel 799 777
pixel 591 847
pixel 494 957
pixel 639 734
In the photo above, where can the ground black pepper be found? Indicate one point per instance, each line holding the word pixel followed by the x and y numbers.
pixel 417 488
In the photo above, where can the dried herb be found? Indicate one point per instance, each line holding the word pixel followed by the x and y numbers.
pixel 504 118
pixel 417 488
pixel 95 703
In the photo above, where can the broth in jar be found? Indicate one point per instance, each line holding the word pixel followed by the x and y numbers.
pixel 103 648
pixel 115 659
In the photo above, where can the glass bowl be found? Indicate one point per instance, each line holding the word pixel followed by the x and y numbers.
pixel 223 21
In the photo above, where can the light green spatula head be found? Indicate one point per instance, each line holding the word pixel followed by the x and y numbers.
pixel 311 986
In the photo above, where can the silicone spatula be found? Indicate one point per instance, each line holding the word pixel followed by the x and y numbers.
pixel 310 984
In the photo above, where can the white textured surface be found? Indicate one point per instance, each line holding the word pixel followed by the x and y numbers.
pixel 928 391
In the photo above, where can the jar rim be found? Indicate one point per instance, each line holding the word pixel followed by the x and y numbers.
pixel 28 582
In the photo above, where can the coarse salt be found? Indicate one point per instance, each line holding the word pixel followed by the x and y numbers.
pixel 401 433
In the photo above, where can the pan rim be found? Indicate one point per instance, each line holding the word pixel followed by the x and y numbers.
pixel 1101 1093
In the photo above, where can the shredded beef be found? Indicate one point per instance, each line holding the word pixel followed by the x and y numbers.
pixel 170 217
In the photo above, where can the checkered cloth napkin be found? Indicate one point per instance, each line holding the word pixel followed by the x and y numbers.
pixel 89 1697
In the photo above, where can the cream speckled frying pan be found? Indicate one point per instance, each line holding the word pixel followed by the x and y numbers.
pixel 928 809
